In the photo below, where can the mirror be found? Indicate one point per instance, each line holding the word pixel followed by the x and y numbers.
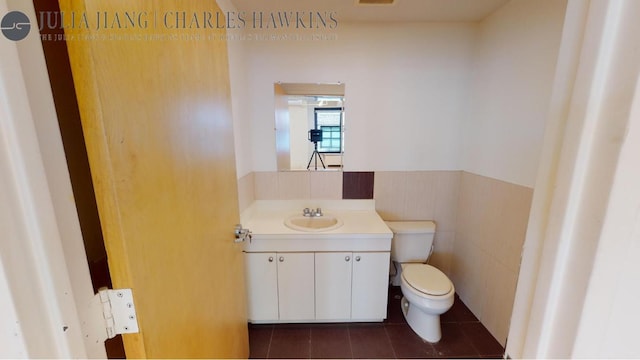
pixel 309 124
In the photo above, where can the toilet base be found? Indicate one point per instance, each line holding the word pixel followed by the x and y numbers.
pixel 427 326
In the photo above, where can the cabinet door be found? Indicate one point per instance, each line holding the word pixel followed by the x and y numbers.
pixel 333 286
pixel 296 286
pixel 370 285
pixel 262 286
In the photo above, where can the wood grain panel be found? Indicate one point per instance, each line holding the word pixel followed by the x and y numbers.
pixel 157 120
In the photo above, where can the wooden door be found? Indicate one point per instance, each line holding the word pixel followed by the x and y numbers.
pixel 154 100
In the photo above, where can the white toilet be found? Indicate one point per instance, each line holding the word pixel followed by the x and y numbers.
pixel 427 291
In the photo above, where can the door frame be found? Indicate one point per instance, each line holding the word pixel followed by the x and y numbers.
pixel 580 236
pixel 43 236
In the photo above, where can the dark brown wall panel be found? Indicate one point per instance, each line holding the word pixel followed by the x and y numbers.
pixel 357 185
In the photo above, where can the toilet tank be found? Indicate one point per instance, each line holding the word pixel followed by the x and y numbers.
pixel 412 240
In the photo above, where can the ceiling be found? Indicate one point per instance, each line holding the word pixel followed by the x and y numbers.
pixel 399 11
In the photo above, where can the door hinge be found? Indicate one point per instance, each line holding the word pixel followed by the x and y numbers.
pixel 118 311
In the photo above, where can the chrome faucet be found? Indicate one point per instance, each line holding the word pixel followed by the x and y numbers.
pixel 312 212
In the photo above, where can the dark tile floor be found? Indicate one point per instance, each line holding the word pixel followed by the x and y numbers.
pixel 463 336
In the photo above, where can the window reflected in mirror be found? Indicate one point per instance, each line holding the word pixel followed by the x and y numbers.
pixel 309 123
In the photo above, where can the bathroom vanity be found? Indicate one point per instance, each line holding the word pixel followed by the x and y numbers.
pixel 329 268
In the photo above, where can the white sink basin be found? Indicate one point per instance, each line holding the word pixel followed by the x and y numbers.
pixel 313 223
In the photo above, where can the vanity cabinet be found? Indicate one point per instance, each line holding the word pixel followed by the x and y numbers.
pixel 280 286
pixel 295 286
pixel 370 286
pixel 351 285
pixel 330 268
pixel 333 285
pixel 317 286
pixel 262 286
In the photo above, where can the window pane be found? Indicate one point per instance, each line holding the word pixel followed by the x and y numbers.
pixel 329 120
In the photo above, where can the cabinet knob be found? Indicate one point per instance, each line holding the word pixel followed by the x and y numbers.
pixel 346 258
pixel 281 258
pixel 270 258
pixel 357 258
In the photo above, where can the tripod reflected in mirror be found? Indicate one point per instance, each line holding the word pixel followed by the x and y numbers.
pixel 315 136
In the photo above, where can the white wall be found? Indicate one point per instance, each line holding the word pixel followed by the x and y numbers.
pixel 239 98
pixel 406 86
pixel 299 123
pixel 514 61
pixel 424 96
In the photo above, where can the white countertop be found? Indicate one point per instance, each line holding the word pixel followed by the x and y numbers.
pixel 265 219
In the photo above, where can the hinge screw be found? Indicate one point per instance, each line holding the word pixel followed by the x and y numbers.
pixel 120 294
pixel 131 317
pixel 129 305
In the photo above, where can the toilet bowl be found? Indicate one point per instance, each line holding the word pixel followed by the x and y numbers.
pixel 427 292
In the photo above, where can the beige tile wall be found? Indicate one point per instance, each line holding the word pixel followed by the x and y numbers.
pixel 490 231
pixel 422 195
pixel 481 224
pixel 298 185
pixel 246 191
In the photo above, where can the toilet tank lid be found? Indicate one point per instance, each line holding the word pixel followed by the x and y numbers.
pixel 411 227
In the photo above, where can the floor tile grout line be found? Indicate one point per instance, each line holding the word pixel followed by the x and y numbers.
pixel 469 340
pixel 350 345
pixel 464 333
pixel 273 329
pixel 393 350
pixel 309 344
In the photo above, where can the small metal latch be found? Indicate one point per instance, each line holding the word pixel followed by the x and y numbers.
pixel 242 234
pixel 119 311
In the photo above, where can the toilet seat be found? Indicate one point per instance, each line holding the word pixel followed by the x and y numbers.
pixel 427 279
